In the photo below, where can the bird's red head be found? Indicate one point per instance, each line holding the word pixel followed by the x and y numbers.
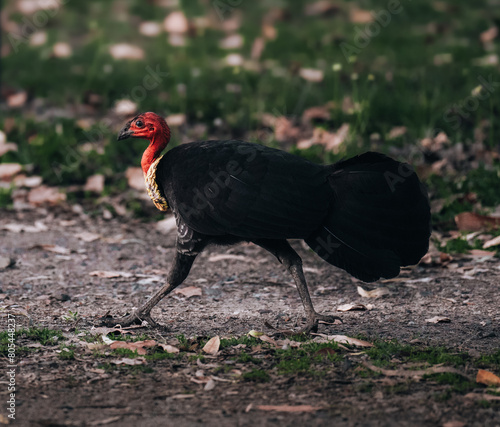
pixel 148 126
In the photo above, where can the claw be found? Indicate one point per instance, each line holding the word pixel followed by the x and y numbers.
pixel 134 318
pixel 312 322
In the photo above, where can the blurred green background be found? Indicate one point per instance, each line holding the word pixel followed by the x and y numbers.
pixel 324 79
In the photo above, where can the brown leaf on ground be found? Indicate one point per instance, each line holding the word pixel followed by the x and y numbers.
pixel 126 51
pixel 351 307
pixel 409 373
pixel 130 362
pixel 45 195
pixel 5 262
pixel 438 319
pixel 454 424
pixel 482 396
pixel 489 35
pixel 8 170
pixel 17 100
pixel 375 293
pixel 320 7
pixel 24 228
pixel 212 346
pixel 139 346
pixel 168 348
pixel 320 112
pixel 222 257
pixel 257 48
pixel 487 378
pixel 176 22
pixel 135 178
pixel 470 221
pixel 397 132
pixel 189 291
pixel 88 237
pixel 311 74
pixel 478 253
pixel 343 339
pixel 5 146
pixel 289 408
pixel 95 184
pixel 54 248
pixel 360 16
pixel 493 242
pixel 110 274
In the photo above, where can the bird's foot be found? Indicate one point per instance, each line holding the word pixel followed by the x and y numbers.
pixel 134 318
pixel 312 322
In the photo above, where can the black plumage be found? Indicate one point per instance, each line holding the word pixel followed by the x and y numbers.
pixel 368 215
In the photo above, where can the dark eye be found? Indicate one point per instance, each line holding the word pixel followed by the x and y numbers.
pixel 139 123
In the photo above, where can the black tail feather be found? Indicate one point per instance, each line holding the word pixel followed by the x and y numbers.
pixel 379 220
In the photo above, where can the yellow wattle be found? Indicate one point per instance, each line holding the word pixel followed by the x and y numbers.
pixel 152 187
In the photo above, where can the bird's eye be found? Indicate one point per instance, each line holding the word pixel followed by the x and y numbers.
pixel 139 123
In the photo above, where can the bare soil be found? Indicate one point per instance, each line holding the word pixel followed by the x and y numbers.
pixel 238 295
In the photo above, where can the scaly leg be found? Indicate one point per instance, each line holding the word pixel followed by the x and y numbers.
pixel 180 269
pixel 282 250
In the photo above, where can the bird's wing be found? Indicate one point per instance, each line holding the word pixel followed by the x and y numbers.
pixel 244 189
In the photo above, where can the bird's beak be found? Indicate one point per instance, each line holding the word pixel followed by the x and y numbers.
pixel 125 133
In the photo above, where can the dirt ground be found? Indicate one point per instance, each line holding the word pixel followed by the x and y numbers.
pixel 239 294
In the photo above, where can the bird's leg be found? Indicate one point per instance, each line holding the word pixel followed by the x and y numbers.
pixel 282 250
pixel 180 269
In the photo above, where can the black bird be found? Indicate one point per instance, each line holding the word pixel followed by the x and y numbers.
pixel 368 215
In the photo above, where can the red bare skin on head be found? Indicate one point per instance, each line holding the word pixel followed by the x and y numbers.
pixel 152 127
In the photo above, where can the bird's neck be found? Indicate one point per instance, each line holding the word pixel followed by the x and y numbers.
pixel 153 151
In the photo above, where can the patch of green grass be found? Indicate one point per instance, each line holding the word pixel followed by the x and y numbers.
pixel 245 339
pixel 458 383
pixel 67 352
pixel 125 352
pixel 5 197
pixel 256 375
pixel 383 352
pixel 44 336
pixel 128 337
pixel 244 357
pixel 489 361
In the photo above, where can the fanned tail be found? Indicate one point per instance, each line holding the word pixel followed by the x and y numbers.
pixel 379 220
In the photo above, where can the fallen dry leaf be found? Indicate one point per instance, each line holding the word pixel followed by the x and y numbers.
pixel 176 119
pixel 311 74
pixel 168 348
pixel 438 319
pixel 139 346
pixel 493 242
pixel 482 396
pixel 176 22
pixel 210 385
pixel 125 107
pixel 343 339
pixel 8 170
pixel 489 35
pixel 88 237
pixel 5 262
pixel 131 362
pixel 135 178
pixel 54 248
pixel 212 346
pixel 487 378
pixel 222 257
pixel 470 221
pixel 62 50
pixel 410 373
pixel 110 274
pixel 189 291
pixel 233 41
pixel 24 228
pixel 95 184
pixel 375 293
pixel 478 253
pixel 269 340
pixel 360 16
pixel 126 51
pixel 289 408
pixel 44 194
pixel 17 100
pixel 150 28
pixel 351 307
